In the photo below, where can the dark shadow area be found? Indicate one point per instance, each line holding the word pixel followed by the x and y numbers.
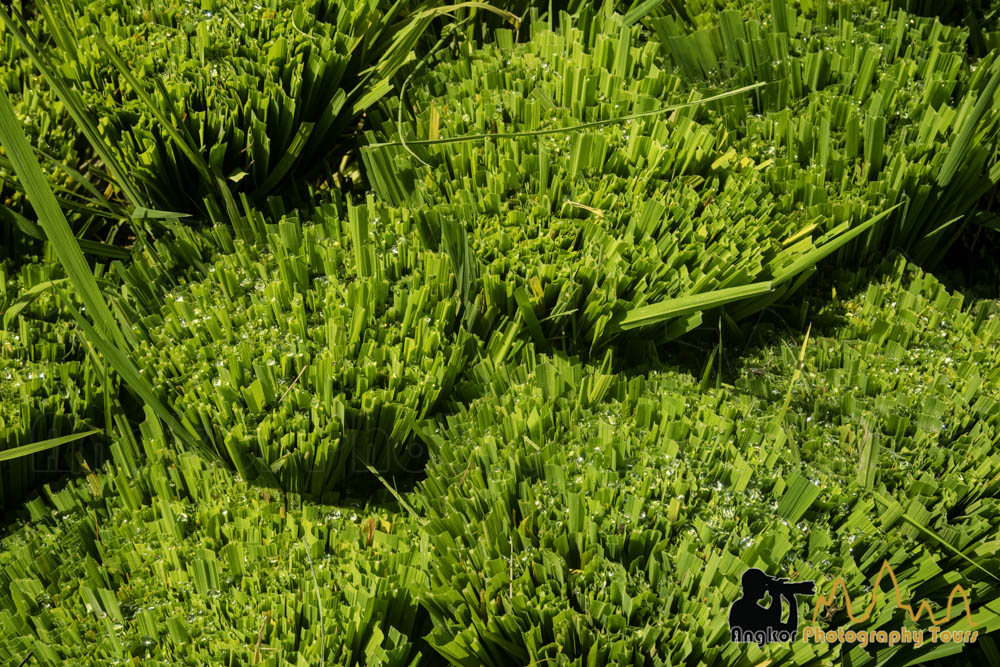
pixel 56 468
pixel 971 265
pixel 979 16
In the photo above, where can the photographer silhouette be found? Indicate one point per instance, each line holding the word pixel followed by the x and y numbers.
pixel 751 622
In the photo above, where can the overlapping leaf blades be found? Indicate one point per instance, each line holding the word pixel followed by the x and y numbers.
pixel 315 356
pixel 612 526
pixel 572 513
pixel 649 220
pixel 177 561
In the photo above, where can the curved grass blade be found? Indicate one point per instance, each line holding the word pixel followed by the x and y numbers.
pixel 563 130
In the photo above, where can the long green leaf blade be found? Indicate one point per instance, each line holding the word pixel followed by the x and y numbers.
pixel 671 308
pixel 815 256
pixel 128 372
pixel 42 445
pixel 563 130
pixel 52 220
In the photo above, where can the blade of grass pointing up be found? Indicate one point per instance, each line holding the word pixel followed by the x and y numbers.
pixel 964 139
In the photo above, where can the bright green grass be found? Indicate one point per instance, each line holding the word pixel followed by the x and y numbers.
pixel 625 506
pixel 582 517
pixel 576 510
pixel 257 92
pixel 314 358
pixel 588 234
pixel 180 563
pixel 47 386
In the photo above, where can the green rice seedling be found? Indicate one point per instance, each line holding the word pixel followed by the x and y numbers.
pixel 979 16
pixel 911 115
pixel 584 517
pixel 178 562
pixel 54 135
pixel 47 388
pixel 596 231
pixel 198 102
pixel 108 344
pixel 46 394
pixel 311 354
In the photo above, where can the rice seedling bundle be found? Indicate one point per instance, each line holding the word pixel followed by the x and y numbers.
pixel 48 388
pixel 255 92
pixel 312 354
pixel 841 72
pixel 573 512
pixel 56 139
pixel 583 517
pixel 178 562
pixel 589 233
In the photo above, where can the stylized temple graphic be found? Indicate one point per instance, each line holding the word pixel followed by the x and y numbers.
pixel 915 614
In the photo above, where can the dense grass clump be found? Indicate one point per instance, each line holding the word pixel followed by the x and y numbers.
pixel 611 527
pixel 610 227
pixel 48 388
pixel 192 102
pixel 509 407
pixel 56 138
pixel 315 356
pixel 571 513
pixel 179 562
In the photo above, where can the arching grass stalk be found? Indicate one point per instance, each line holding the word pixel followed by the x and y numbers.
pixel 564 130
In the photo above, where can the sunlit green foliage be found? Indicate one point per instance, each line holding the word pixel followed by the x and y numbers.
pixel 862 110
pixel 47 386
pixel 585 517
pixel 179 562
pixel 539 318
pixel 316 355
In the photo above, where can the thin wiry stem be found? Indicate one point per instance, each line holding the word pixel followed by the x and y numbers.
pixel 561 130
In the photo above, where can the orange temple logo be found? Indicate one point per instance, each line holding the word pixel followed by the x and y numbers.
pixel 958 601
